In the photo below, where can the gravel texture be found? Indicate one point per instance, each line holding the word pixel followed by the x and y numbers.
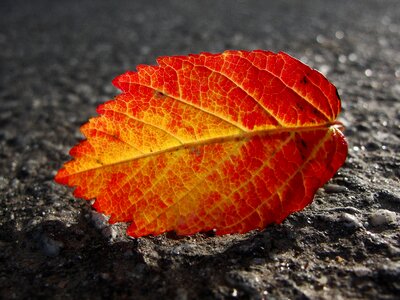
pixel 57 61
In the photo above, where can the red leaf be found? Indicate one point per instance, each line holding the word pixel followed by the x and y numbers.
pixel 231 142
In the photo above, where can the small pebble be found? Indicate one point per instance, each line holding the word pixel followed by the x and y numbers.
pixel 323 280
pixel 324 69
pixel 181 294
pixel 362 271
pixel 352 57
pixel 99 220
pixel 183 248
pixel 4 182
pixel 105 276
pixel 342 58
pixel 234 293
pixel 382 217
pixel 348 209
pixel 49 246
pixel 394 251
pixel 334 188
pixel 395 90
pixel 339 259
pixel 84 89
pixel 109 232
pixel 339 35
pixel 350 221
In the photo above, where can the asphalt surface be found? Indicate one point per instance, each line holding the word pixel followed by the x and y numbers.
pixel 57 60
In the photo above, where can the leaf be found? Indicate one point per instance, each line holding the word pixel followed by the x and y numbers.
pixel 231 142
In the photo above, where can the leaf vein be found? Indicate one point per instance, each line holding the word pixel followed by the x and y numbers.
pixel 194 106
pixel 287 86
pixel 242 89
pixel 312 155
pixel 279 148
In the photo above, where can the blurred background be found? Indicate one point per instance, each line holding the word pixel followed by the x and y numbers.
pixel 57 61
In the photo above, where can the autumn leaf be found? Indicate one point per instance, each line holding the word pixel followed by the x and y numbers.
pixel 231 142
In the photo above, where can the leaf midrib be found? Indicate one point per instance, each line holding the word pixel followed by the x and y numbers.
pixel 217 140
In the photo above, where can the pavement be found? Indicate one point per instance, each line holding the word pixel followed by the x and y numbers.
pixel 57 62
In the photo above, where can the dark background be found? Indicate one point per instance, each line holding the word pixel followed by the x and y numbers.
pixel 57 60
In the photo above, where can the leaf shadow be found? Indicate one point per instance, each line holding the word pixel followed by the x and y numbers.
pixel 51 258
pixel 229 270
